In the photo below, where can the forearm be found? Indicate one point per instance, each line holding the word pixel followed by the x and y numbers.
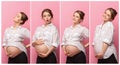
pixel 52 48
pixel 28 45
pixel 34 44
pixel 86 45
pixel 63 47
pixel 104 47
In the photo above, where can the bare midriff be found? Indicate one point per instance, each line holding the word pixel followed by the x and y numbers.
pixel 41 48
pixel 72 50
pixel 13 51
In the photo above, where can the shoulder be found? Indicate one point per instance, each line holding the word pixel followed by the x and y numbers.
pixel 24 29
pixel 8 28
pixel 38 28
pixel 109 24
pixel 68 28
pixel 53 27
pixel 98 27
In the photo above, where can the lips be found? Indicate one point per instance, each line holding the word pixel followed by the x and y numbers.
pixel 47 20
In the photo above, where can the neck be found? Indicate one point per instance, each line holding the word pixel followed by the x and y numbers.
pixel 16 25
pixel 47 23
pixel 75 24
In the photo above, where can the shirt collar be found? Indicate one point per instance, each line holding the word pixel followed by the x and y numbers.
pixel 104 24
pixel 76 26
pixel 16 27
pixel 47 25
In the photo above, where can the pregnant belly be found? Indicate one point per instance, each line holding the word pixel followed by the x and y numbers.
pixel 13 51
pixel 41 48
pixel 72 50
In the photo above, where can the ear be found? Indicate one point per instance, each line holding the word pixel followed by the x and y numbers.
pixel 80 20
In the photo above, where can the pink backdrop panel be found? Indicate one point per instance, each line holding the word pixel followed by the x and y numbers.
pixel 96 11
pixel 9 10
pixel 36 20
pixel 67 10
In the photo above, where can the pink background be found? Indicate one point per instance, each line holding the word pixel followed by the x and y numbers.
pixel 36 21
pixel 9 10
pixel 96 11
pixel 67 10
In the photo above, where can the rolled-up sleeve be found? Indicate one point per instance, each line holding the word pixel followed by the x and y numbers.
pixel 85 33
pixel 55 38
pixel 27 33
pixel 63 39
pixel 4 39
pixel 108 32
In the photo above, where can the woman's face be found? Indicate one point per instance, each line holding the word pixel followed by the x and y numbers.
pixel 47 17
pixel 17 18
pixel 76 18
pixel 107 16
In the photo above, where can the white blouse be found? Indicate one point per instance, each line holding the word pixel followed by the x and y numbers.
pixel 104 33
pixel 49 34
pixel 74 36
pixel 15 37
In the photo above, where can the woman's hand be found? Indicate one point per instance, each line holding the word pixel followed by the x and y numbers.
pixel 37 42
pixel 6 51
pixel 86 45
pixel 64 49
pixel 43 55
pixel 99 55
pixel 51 49
pixel 27 46
pixel 65 52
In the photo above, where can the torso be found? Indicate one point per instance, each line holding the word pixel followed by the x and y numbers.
pixel 13 51
pixel 72 50
pixel 41 48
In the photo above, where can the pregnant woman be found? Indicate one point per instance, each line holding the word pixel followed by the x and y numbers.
pixel 73 40
pixel 103 40
pixel 45 39
pixel 13 40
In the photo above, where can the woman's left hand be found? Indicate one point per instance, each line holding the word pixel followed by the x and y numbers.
pixel 99 55
pixel 43 55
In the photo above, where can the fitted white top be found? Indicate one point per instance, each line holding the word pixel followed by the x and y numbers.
pixel 104 33
pixel 74 36
pixel 48 33
pixel 15 37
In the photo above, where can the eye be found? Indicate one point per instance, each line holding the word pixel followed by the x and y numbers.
pixel 44 15
pixel 77 16
pixel 49 15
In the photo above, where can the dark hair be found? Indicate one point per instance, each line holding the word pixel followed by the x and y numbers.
pixel 24 17
pixel 47 10
pixel 81 14
pixel 113 12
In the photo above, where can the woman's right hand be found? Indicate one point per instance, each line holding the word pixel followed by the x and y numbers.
pixel 6 51
pixel 37 42
pixel 65 51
